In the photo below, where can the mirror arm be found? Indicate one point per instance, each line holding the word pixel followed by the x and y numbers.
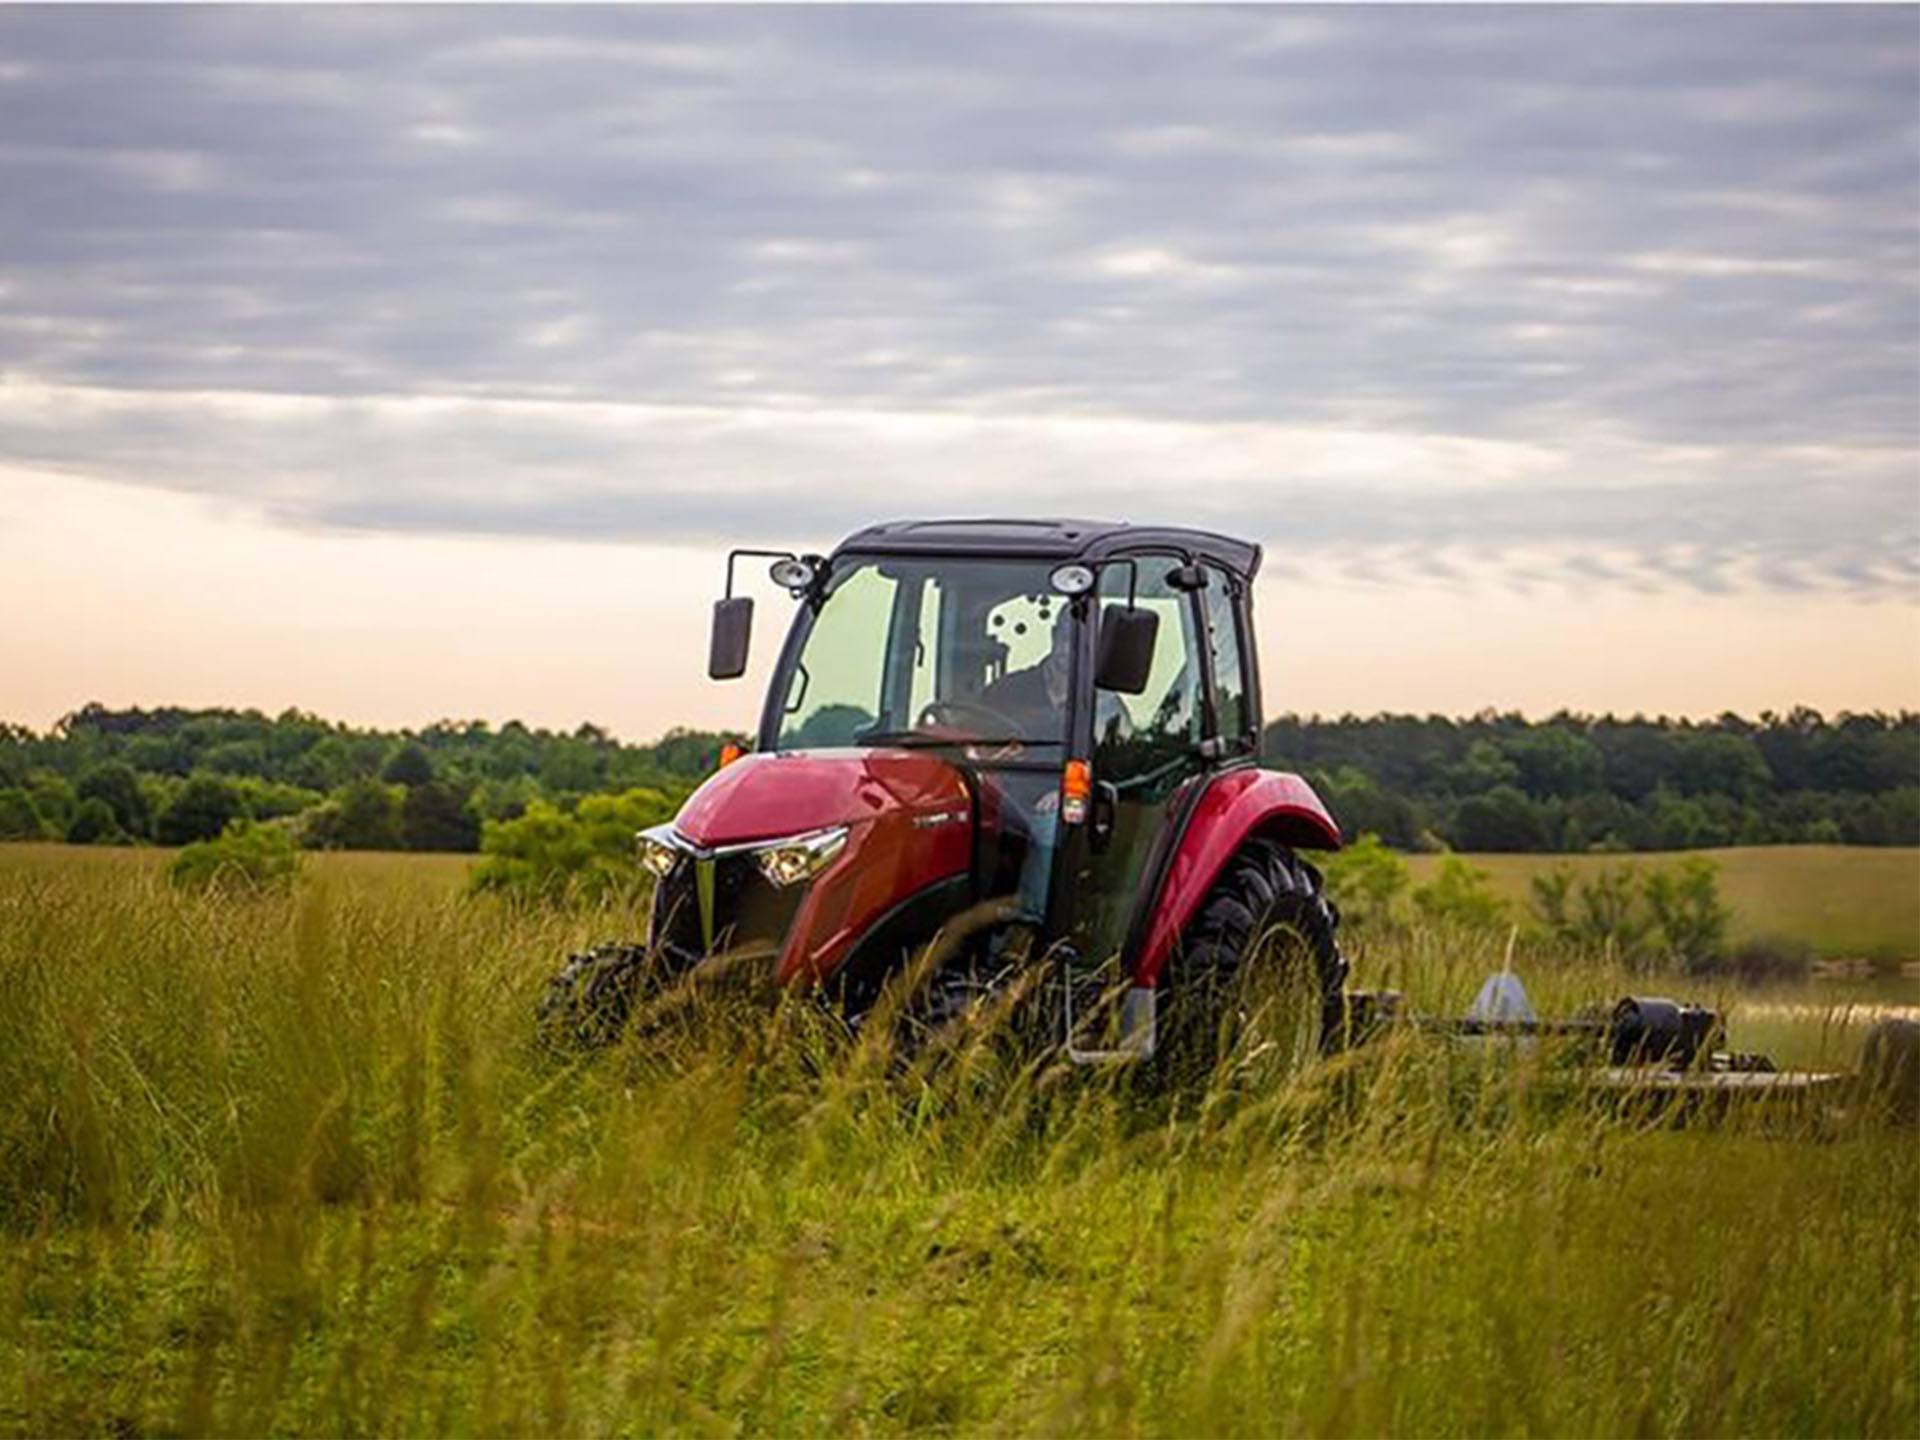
pixel 733 555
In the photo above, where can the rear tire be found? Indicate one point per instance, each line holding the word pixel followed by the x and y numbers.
pixel 1258 965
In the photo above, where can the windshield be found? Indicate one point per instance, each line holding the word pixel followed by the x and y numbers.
pixel 907 651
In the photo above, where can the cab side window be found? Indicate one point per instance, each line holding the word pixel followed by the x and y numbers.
pixel 1223 641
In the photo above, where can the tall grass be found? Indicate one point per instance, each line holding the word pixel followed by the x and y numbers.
pixel 293 1164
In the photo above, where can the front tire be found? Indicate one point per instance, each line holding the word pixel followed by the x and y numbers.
pixel 1258 966
pixel 588 1002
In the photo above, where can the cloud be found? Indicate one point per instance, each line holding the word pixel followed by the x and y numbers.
pixel 1393 504
pixel 1561 282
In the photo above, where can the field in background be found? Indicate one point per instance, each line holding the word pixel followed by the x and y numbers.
pixel 293 1164
pixel 1844 900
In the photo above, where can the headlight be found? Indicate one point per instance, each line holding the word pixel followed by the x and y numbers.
pixel 791 861
pixel 659 856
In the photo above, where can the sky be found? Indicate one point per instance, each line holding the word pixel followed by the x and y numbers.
pixel 400 363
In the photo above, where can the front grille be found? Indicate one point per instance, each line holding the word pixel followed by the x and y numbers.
pixel 748 912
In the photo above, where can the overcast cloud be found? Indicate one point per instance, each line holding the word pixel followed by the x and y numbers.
pixel 1630 293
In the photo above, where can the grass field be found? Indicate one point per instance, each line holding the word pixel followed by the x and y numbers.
pixel 1844 900
pixel 292 1165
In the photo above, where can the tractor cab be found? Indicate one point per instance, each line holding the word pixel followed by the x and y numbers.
pixel 1053 724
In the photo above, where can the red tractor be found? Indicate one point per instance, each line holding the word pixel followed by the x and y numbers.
pixel 1046 731
pixel 1027 752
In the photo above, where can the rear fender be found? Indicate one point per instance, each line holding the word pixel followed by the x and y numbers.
pixel 1235 806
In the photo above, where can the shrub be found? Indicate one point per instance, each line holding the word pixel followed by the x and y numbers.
pixel 1609 918
pixel 550 855
pixel 1460 894
pixel 1366 880
pixel 244 857
pixel 1686 910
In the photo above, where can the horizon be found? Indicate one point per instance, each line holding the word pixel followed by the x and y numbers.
pixel 459 722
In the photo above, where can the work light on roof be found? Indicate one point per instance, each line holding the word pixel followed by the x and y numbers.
pixel 1072 579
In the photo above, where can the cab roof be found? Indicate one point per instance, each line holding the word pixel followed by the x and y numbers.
pixel 1048 540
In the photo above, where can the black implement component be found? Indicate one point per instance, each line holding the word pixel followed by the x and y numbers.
pixel 1648 1030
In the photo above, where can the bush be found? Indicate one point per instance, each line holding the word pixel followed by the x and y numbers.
pixel 1461 894
pixel 1366 880
pixel 1686 909
pixel 245 857
pixel 550 855
pixel 1670 914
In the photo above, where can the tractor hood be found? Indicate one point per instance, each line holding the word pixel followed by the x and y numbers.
pixel 765 797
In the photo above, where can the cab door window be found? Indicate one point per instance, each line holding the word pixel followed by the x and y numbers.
pixel 1145 747
pixel 1223 646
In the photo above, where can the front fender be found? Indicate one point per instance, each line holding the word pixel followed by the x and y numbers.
pixel 1236 805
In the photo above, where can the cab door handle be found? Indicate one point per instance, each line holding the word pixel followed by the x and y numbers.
pixel 1106 805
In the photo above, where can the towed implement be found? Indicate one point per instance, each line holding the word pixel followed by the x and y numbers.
pixel 1037 741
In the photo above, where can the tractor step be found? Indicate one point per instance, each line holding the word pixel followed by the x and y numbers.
pixel 1100 1033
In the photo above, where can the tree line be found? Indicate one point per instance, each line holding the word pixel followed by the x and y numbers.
pixel 1489 782
pixel 1574 783
pixel 174 776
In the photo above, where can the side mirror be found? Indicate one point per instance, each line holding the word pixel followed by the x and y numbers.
pixel 732 632
pixel 1127 636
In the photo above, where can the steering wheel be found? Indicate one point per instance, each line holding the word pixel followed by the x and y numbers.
pixel 965 715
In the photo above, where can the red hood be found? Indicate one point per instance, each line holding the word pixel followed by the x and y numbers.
pixel 762 797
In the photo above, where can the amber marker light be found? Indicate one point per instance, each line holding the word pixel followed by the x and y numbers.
pixel 1076 787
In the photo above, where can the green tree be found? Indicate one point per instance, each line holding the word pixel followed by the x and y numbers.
pixel 54 797
pixel 1485 767
pixel 1501 820
pixel 236 757
pixel 203 808
pixel 408 765
pixel 363 815
pixel 434 816
pixel 117 786
pixel 1554 763
pixel 94 823
pixel 1712 762
pixel 19 818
